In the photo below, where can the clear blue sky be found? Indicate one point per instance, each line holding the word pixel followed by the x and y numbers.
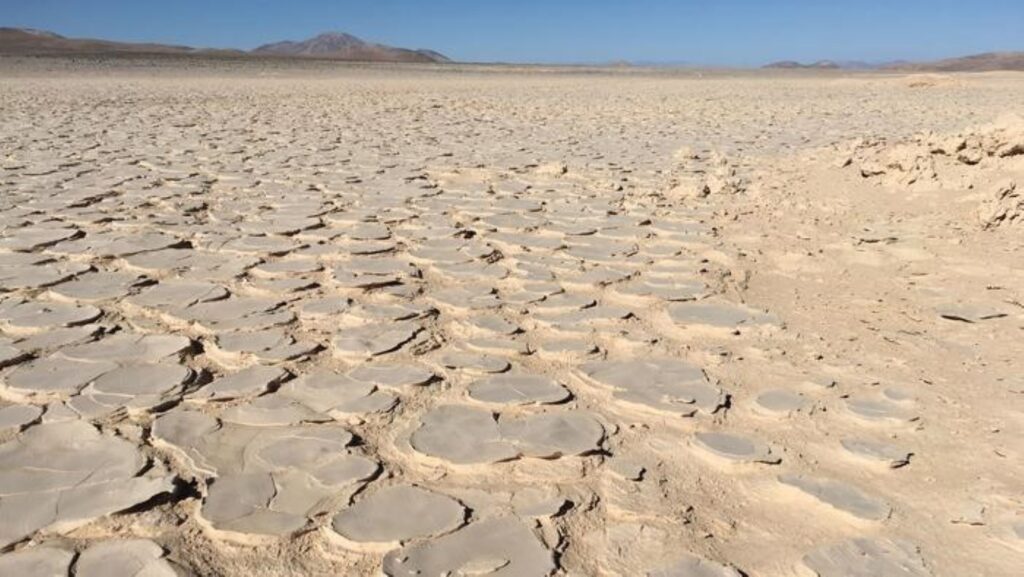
pixel 726 32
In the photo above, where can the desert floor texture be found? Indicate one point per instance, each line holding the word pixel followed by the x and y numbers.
pixel 261 318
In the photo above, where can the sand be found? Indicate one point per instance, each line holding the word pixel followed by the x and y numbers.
pixel 261 318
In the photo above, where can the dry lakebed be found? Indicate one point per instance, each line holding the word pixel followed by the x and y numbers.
pixel 265 318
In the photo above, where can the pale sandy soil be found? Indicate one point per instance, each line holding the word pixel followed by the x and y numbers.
pixel 347 320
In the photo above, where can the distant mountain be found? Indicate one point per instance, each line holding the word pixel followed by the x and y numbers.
pixel 341 46
pixel 987 62
pixel 794 65
pixel 433 54
pixel 335 45
pixel 29 41
pixel 328 43
pixel 860 65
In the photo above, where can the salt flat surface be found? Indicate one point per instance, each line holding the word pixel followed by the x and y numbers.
pixel 315 319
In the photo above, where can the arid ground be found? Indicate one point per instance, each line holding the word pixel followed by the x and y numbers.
pixel 264 318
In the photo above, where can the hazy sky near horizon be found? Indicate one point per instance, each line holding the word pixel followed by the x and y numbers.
pixel 722 32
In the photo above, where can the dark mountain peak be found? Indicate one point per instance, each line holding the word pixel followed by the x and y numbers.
pixel 325 43
pixel 336 36
pixel 344 46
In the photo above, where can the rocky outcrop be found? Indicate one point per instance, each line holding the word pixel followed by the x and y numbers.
pixel 1004 208
pixel 932 159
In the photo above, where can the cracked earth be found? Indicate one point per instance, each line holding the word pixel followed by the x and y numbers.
pixel 268 319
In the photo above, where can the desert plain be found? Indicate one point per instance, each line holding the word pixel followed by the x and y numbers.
pixel 266 318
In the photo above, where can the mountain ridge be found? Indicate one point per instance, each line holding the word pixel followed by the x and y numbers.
pixel 329 45
pixel 347 47
pixel 984 62
pixel 793 64
pixel 34 41
pixel 344 46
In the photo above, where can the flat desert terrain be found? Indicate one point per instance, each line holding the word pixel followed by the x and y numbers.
pixel 263 319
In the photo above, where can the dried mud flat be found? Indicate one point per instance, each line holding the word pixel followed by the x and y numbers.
pixel 260 320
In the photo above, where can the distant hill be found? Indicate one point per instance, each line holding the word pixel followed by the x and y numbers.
pixel 334 45
pixel 433 54
pixel 29 41
pixel 989 61
pixel 794 65
pixel 341 46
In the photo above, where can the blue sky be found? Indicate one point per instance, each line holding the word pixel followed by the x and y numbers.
pixel 723 32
